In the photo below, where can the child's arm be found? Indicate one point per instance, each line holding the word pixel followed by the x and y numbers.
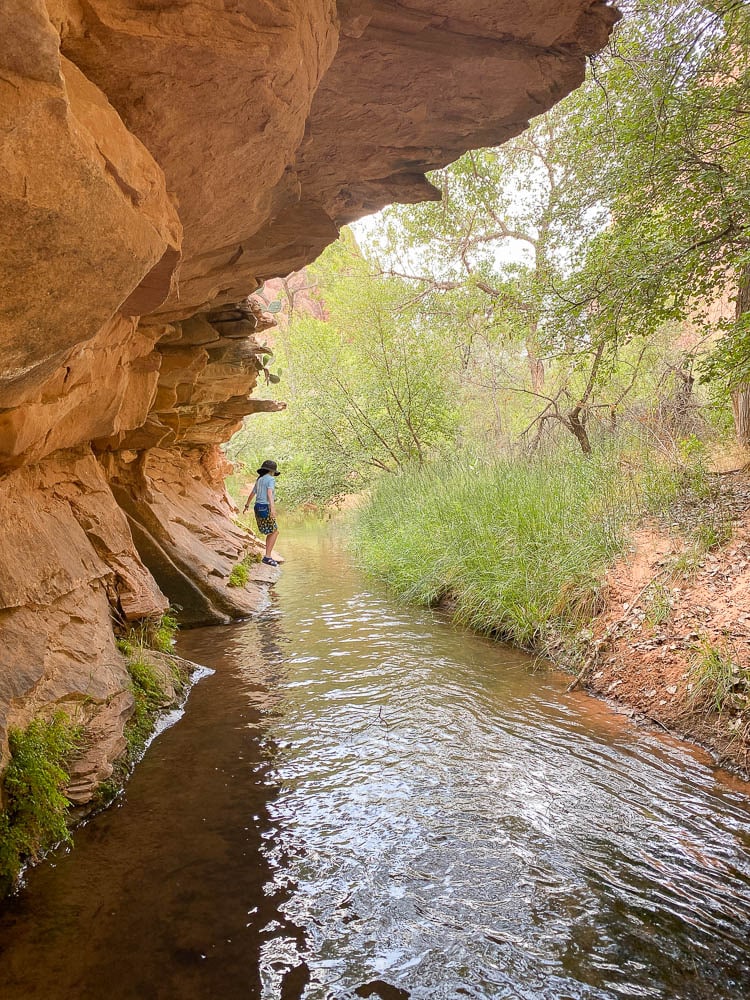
pixel 272 501
pixel 249 499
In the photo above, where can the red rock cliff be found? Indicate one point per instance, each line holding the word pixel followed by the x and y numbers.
pixel 158 161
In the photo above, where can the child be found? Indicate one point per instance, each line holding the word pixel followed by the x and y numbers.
pixel 265 507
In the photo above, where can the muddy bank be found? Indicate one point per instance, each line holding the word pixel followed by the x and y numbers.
pixel 673 640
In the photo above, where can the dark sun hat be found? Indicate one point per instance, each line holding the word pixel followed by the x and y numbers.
pixel 268 466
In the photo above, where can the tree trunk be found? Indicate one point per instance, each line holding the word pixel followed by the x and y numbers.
pixel 741 412
pixel 577 426
pixel 576 418
pixel 741 393
pixel 683 404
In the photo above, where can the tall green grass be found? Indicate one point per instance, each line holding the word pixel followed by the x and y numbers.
pixel 520 547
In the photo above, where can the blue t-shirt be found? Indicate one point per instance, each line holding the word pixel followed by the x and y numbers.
pixel 264 484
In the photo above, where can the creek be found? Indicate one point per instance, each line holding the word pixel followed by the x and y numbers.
pixel 362 800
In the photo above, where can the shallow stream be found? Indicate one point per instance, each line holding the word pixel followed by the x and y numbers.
pixel 364 801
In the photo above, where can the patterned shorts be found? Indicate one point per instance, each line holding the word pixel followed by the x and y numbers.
pixel 266 524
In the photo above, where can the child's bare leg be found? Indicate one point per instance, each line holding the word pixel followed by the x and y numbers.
pixel 270 542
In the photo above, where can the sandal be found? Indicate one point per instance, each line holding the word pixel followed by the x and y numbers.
pixel 269 561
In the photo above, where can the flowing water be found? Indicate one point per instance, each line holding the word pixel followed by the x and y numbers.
pixel 363 801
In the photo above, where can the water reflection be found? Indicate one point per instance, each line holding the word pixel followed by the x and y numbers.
pixel 467 830
pixel 167 895
pixel 362 801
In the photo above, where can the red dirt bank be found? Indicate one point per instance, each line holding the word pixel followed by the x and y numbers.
pixel 669 602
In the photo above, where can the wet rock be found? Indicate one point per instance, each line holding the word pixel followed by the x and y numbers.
pixel 262 573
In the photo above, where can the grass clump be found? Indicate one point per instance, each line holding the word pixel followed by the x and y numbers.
pixel 712 535
pixel 164 632
pixel 147 688
pixel 34 815
pixel 150 633
pixel 149 691
pixel 659 605
pixel 240 575
pixel 521 547
pixel 705 537
pixel 149 697
pixel 718 680
pixel 688 562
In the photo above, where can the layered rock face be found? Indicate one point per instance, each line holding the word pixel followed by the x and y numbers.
pixel 158 162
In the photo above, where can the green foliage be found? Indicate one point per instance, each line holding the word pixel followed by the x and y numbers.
pixel 709 533
pixel 148 695
pixel 368 387
pixel 718 681
pixel 622 211
pixel 149 633
pixel 658 150
pixel 692 448
pixel 33 784
pixel 520 547
pixel 371 380
pixel 110 788
pixel 687 563
pixel 561 285
pixel 712 534
pixel 240 575
pixel 164 632
pixel 729 360
pixel 147 688
pixel 659 484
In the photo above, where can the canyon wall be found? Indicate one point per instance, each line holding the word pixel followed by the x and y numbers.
pixel 158 162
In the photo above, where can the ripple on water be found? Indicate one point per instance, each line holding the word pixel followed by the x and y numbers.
pixel 453 824
pixel 363 801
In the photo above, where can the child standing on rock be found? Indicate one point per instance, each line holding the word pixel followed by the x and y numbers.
pixel 265 507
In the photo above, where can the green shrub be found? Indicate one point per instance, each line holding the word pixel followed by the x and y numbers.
pixel 33 785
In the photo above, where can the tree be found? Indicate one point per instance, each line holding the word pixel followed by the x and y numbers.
pixel 662 139
pixel 485 263
pixel 536 294
pixel 370 386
